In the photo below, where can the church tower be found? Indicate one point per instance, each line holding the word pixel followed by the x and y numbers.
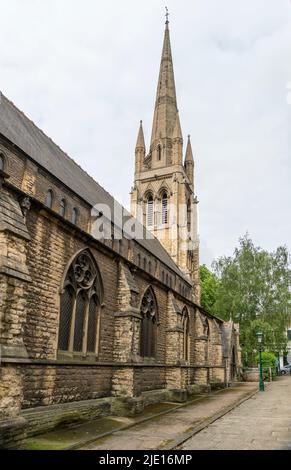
pixel 163 196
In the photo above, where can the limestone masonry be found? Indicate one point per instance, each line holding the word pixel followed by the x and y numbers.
pixel 93 326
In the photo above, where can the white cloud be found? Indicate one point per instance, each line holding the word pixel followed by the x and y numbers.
pixel 86 72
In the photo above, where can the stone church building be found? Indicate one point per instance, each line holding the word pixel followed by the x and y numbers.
pixel 96 325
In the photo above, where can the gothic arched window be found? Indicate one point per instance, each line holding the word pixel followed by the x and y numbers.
pixel 63 207
pixel 80 304
pixel 2 162
pixel 164 208
pixel 159 152
pixel 186 334
pixel 74 216
pixel 148 333
pixel 49 199
pixel 150 211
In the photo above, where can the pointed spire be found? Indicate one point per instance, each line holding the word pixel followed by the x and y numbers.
pixel 189 153
pixel 140 143
pixel 189 162
pixel 177 133
pixel 166 101
pixel 140 150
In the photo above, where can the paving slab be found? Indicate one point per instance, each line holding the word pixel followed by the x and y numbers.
pixel 164 432
pixel 260 423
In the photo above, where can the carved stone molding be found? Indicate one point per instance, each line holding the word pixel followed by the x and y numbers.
pixel 3 176
pixel 25 205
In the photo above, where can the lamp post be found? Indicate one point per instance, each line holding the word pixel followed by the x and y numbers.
pixel 260 340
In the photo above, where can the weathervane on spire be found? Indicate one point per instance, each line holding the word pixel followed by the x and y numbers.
pixel 167 15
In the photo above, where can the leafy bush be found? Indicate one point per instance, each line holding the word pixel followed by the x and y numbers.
pixel 268 360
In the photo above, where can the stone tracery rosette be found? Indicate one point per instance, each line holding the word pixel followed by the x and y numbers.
pixel 83 276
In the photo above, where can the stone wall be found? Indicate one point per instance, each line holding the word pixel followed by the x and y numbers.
pixel 14 279
pixel 50 385
pixel 147 378
pixel 36 248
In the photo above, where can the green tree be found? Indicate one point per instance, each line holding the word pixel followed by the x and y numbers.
pixel 209 287
pixel 268 361
pixel 254 285
pixel 249 339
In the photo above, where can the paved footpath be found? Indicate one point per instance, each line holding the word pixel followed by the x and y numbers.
pixel 262 422
pixel 167 431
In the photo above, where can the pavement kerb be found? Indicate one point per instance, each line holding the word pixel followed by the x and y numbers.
pixel 136 423
pixel 203 424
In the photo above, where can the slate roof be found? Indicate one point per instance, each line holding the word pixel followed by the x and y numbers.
pixel 22 132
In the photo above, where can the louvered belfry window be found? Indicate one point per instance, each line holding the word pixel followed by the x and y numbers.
pixel 148 324
pixel 164 208
pixel 150 211
pixel 80 304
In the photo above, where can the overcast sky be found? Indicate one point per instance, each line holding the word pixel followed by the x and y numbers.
pixel 86 72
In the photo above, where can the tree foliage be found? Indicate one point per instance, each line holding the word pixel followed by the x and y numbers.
pixel 268 361
pixel 209 287
pixel 252 288
pixel 273 341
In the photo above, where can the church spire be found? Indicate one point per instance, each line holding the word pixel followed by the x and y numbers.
pixel 166 101
pixel 140 143
pixel 189 162
pixel 140 150
pixel 189 152
pixel 163 174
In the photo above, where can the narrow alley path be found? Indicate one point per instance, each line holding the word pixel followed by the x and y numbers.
pixel 166 431
pixel 260 423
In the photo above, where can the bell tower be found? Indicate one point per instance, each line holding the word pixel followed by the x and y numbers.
pixel 163 196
